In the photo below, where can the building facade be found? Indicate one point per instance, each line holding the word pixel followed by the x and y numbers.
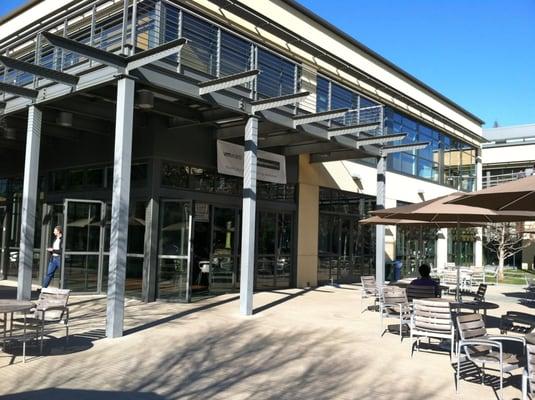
pixel 188 233
pixel 509 155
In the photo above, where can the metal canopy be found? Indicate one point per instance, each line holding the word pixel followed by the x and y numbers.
pixel 275 102
pixel 157 53
pixel 317 117
pixel 101 56
pixel 122 63
pixel 338 155
pixel 18 90
pixel 385 150
pixel 380 139
pixel 353 129
pixel 215 85
pixel 37 70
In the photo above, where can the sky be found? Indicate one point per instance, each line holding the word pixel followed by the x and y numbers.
pixel 478 53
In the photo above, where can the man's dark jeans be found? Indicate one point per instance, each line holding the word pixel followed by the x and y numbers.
pixel 53 265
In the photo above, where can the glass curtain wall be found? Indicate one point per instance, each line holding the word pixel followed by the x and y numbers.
pixel 465 239
pixel 346 249
pixel 446 160
pixel 415 245
pixel 217 52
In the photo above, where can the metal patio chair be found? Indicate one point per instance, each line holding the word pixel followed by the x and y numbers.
pixel 483 349
pixel 51 308
pixel 528 376
pixel 421 292
pixel 529 288
pixel 431 319
pixel 394 304
pixel 369 290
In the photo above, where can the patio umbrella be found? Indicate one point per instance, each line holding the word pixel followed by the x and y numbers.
pixel 376 220
pixel 514 195
pixel 439 210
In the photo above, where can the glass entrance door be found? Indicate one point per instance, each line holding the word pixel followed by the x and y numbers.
pixel 174 252
pixel 274 250
pixel 224 270
pixel 83 243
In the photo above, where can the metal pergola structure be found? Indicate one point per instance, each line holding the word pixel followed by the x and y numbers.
pixel 300 134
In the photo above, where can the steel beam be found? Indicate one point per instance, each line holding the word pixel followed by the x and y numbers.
pixel 340 155
pixel 101 56
pixel 403 147
pixel 19 91
pixel 317 117
pixel 353 129
pixel 380 229
pixel 276 102
pixel 37 70
pixel 120 207
pixel 380 139
pixel 157 53
pixel 29 203
pixel 216 85
pixel 316 147
pixel 249 217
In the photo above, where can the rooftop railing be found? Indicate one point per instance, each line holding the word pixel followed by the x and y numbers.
pixel 493 180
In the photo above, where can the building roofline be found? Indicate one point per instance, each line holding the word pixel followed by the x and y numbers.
pixel 326 24
pixel 19 10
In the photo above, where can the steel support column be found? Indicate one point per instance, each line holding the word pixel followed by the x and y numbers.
pixel 478 245
pixel 120 206
pixel 29 203
pixel 249 216
pixel 380 229
pixel 150 258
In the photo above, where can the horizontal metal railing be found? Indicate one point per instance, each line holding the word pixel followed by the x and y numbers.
pixel 493 180
pixel 130 26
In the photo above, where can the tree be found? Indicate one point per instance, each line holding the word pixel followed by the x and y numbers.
pixel 504 239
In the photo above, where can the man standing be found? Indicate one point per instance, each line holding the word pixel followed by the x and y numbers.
pixel 55 256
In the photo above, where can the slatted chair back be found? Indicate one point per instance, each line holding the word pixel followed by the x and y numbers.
pixel 478 275
pixel 433 317
pixel 368 284
pixel 481 291
pixel 450 277
pixel 394 295
pixel 54 301
pixel 420 292
pixel 471 326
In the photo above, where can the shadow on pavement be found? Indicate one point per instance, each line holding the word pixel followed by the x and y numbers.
pixel 78 394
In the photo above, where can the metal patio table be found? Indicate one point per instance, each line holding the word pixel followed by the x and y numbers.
pixel 9 306
pixel 475 305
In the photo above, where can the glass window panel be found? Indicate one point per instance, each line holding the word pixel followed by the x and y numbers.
pixel 201 51
pixel 277 77
pixel 235 54
pixel 266 233
pixel 322 100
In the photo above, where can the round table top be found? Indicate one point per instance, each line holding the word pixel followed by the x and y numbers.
pixel 11 305
pixel 478 305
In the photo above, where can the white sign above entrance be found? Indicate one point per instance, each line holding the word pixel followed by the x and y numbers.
pixel 271 166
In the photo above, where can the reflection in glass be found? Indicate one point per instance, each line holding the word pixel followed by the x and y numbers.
pixel 173 250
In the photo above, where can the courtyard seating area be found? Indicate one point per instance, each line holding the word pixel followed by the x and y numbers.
pixel 299 344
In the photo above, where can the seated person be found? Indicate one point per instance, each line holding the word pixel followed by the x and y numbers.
pixel 425 278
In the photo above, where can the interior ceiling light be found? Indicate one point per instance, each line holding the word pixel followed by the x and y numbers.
pixel 145 99
pixel 64 119
pixel 228 120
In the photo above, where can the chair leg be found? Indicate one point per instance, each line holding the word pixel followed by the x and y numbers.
pixel 458 369
pixel 524 385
